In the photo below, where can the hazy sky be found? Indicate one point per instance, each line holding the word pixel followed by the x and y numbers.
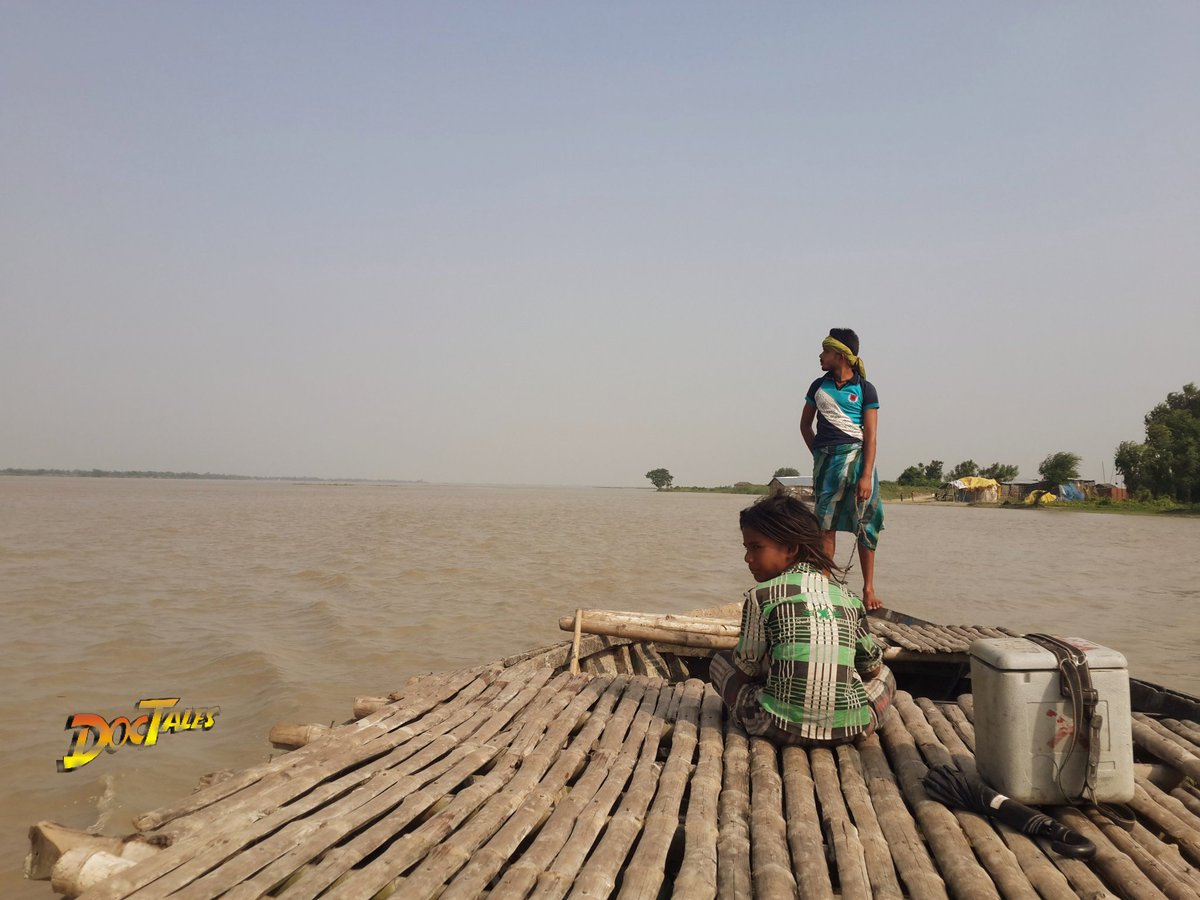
pixel 566 243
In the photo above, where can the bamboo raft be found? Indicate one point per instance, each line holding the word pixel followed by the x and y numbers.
pixel 602 766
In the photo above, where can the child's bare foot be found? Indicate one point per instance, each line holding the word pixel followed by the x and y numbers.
pixel 871 599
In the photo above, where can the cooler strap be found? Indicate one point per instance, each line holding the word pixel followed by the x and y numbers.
pixel 1075 683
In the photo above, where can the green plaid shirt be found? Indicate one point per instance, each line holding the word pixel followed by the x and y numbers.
pixel 808 637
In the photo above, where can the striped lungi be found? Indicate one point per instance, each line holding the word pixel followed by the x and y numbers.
pixel 836 471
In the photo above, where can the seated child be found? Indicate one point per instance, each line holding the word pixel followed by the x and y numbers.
pixel 806 670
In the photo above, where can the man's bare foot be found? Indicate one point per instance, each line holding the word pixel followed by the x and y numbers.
pixel 871 599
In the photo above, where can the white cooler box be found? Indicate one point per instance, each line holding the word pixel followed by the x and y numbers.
pixel 1023 724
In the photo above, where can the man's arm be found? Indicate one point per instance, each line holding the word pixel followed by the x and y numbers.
pixel 806 425
pixel 870 426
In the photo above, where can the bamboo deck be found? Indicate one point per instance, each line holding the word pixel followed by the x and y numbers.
pixel 522 779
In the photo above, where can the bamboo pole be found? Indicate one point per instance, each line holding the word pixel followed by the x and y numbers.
pixel 1177 735
pixel 733 840
pixel 880 870
pixel 770 865
pixel 1173 884
pixel 80 869
pixel 1190 731
pixel 397 799
pixel 643 876
pixel 1168 814
pixel 804 836
pixel 1166 853
pixel 219 809
pixel 1113 865
pixel 947 735
pixel 966 702
pixel 718 636
pixel 908 850
pixel 962 727
pixel 598 876
pixel 581 810
pixel 521 803
pixel 286 736
pixel 638 751
pixel 697 879
pixel 893 634
pixel 999 860
pixel 385 785
pixel 1164 745
pixel 365 706
pixel 575 643
pixel 595 618
pixel 1048 881
pixel 848 853
pixel 468 683
pixel 540 738
pixel 49 842
pixel 443 852
pixel 964 876
pixel 1189 800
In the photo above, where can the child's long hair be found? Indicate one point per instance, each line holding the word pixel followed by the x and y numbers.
pixel 786 519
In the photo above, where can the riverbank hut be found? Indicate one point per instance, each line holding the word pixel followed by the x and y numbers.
pixel 797 485
pixel 973 489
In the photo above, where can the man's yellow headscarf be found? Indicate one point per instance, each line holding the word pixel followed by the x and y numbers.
pixel 856 363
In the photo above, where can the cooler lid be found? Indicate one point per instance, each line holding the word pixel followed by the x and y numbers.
pixel 1018 654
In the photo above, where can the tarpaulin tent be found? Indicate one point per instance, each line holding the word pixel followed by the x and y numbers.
pixel 973 489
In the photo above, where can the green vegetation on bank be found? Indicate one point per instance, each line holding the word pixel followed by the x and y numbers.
pixel 1146 507
pixel 740 488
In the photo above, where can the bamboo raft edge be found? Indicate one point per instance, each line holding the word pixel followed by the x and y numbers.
pixel 447 785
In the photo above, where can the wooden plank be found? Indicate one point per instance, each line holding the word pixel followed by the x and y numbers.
pixel 526 794
pixel 697 879
pixel 1165 745
pixel 909 853
pixel 643 876
pixel 1172 883
pixel 853 879
pixel 252 814
pixel 803 826
pixel 536 740
pixel 770 865
pixel 222 867
pixel 599 874
pixel 733 813
pixel 1168 814
pixel 1000 862
pixel 618 747
pixel 464 686
pixel 964 876
pixel 1113 865
pixel 880 871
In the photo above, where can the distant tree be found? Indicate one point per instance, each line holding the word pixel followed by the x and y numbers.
pixel 912 475
pixel 1131 462
pixel 1000 471
pixel 785 472
pixel 933 471
pixel 1168 462
pixel 964 469
pixel 1060 467
pixel 660 478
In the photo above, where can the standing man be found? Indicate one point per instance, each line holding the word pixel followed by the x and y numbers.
pixel 845 484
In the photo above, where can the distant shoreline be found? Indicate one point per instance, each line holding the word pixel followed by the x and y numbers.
pixel 196 476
